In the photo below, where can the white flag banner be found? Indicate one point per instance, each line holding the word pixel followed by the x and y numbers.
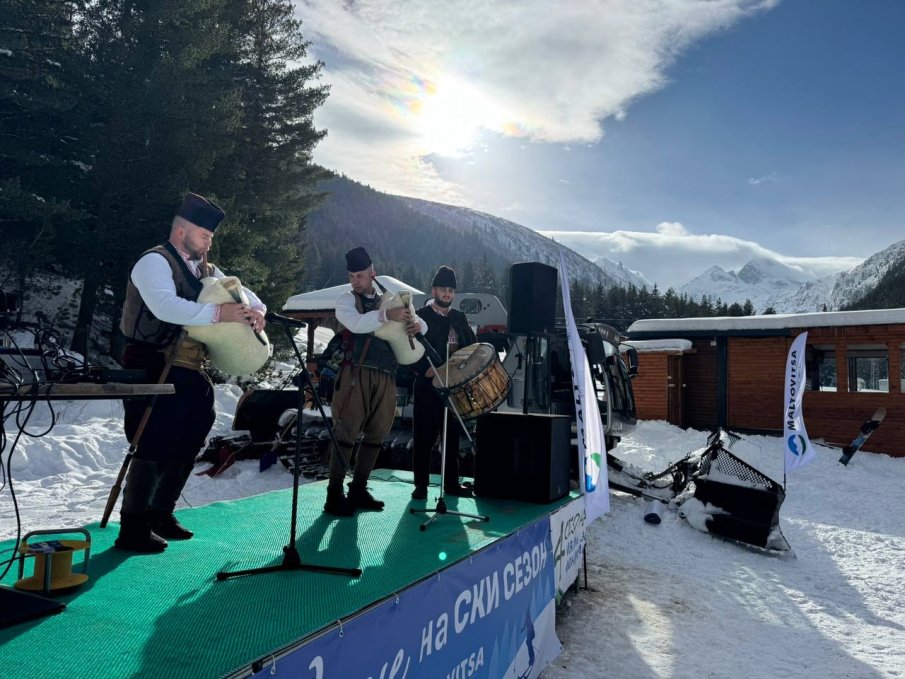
pixel 591 441
pixel 795 437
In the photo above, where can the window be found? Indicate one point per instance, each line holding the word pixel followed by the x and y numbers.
pixel 902 368
pixel 868 368
pixel 470 306
pixel 821 367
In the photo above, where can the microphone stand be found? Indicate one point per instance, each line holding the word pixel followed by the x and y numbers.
pixel 291 559
pixel 441 508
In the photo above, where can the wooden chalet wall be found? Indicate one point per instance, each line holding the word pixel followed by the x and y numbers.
pixel 755 384
pixel 757 375
pixel 836 416
pixel 651 386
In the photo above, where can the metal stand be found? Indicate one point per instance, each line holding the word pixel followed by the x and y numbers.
pixel 441 508
pixel 291 559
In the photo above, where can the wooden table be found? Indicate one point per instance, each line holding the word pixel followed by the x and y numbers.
pixel 24 606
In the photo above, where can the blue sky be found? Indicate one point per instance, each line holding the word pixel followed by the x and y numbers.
pixel 667 134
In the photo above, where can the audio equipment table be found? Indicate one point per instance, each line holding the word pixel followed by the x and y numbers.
pixel 17 606
pixel 82 391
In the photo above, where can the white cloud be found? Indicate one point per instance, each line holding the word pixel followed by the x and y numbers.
pixel 673 256
pixel 772 178
pixel 424 77
pixel 672 229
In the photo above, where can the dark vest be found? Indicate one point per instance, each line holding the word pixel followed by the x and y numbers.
pixel 437 334
pixel 138 324
pixel 379 355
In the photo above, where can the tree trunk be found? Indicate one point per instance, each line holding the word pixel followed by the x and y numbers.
pixel 87 304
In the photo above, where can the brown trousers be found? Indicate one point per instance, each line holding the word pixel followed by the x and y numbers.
pixel 364 403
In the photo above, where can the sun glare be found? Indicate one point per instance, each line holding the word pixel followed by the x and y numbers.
pixel 449 117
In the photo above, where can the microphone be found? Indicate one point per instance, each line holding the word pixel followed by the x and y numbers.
pixel 271 317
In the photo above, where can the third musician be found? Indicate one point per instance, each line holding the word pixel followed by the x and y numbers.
pixel 447 329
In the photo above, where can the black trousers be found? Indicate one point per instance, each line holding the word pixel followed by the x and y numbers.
pixel 428 419
pixel 180 422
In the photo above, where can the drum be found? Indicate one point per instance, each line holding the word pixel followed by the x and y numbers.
pixel 477 382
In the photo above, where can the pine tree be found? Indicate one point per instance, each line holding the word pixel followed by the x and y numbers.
pixel 269 177
pixel 165 103
pixel 42 146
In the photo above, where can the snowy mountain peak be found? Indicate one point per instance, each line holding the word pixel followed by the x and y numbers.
pixel 761 280
pixel 762 269
pixel 787 289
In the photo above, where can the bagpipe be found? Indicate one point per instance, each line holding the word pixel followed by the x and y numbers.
pixel 233 348
pixel 406 350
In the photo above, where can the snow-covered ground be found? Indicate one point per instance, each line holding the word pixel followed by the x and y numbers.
pixel 663 601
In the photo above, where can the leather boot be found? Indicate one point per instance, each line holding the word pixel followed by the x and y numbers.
pixel 135 535
pixel 361 498
pixel 173 477
pixel 338 504
pixel 458 490
pixel 166 525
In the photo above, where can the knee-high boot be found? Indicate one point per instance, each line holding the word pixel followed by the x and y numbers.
pixel 135 534
pixel 358 488
pixel 337 503
pixel 173 478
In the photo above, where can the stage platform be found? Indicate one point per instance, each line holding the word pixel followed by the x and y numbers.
pixel 167 616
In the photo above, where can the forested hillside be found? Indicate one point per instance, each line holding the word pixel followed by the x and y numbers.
pixel 402 242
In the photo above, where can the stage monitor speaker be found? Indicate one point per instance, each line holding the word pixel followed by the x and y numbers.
pixel 532 298
pixel 523 457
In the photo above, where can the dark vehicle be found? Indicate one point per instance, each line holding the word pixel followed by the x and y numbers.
pixel 540 367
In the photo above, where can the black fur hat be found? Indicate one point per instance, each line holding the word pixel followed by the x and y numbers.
pixel 444 278
pixel 201 212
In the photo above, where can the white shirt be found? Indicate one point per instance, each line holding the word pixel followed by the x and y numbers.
pixel 153 278
pixel 348 315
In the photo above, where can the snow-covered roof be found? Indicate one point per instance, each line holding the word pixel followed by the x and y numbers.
pixel 648 346
pixel 768 322
pixel 325 299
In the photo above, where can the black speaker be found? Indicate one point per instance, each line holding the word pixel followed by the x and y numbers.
pixel 259 410
pixel 532 298
pixel 522 457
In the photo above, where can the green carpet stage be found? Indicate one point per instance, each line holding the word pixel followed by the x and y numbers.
pixel 167 616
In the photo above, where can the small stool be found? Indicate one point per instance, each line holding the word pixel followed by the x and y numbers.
pixel 53 562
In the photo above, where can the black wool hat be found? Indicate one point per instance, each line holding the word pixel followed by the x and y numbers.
pixel 201 212
pixel 444 278
pixel 357 259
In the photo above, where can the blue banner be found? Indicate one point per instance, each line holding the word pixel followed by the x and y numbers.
pixel 492 615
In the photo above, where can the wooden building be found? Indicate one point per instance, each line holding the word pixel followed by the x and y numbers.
pixel 733 375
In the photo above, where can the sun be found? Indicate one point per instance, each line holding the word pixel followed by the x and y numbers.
pixel 449 116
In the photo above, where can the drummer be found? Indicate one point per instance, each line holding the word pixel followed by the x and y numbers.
pixel 447 332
